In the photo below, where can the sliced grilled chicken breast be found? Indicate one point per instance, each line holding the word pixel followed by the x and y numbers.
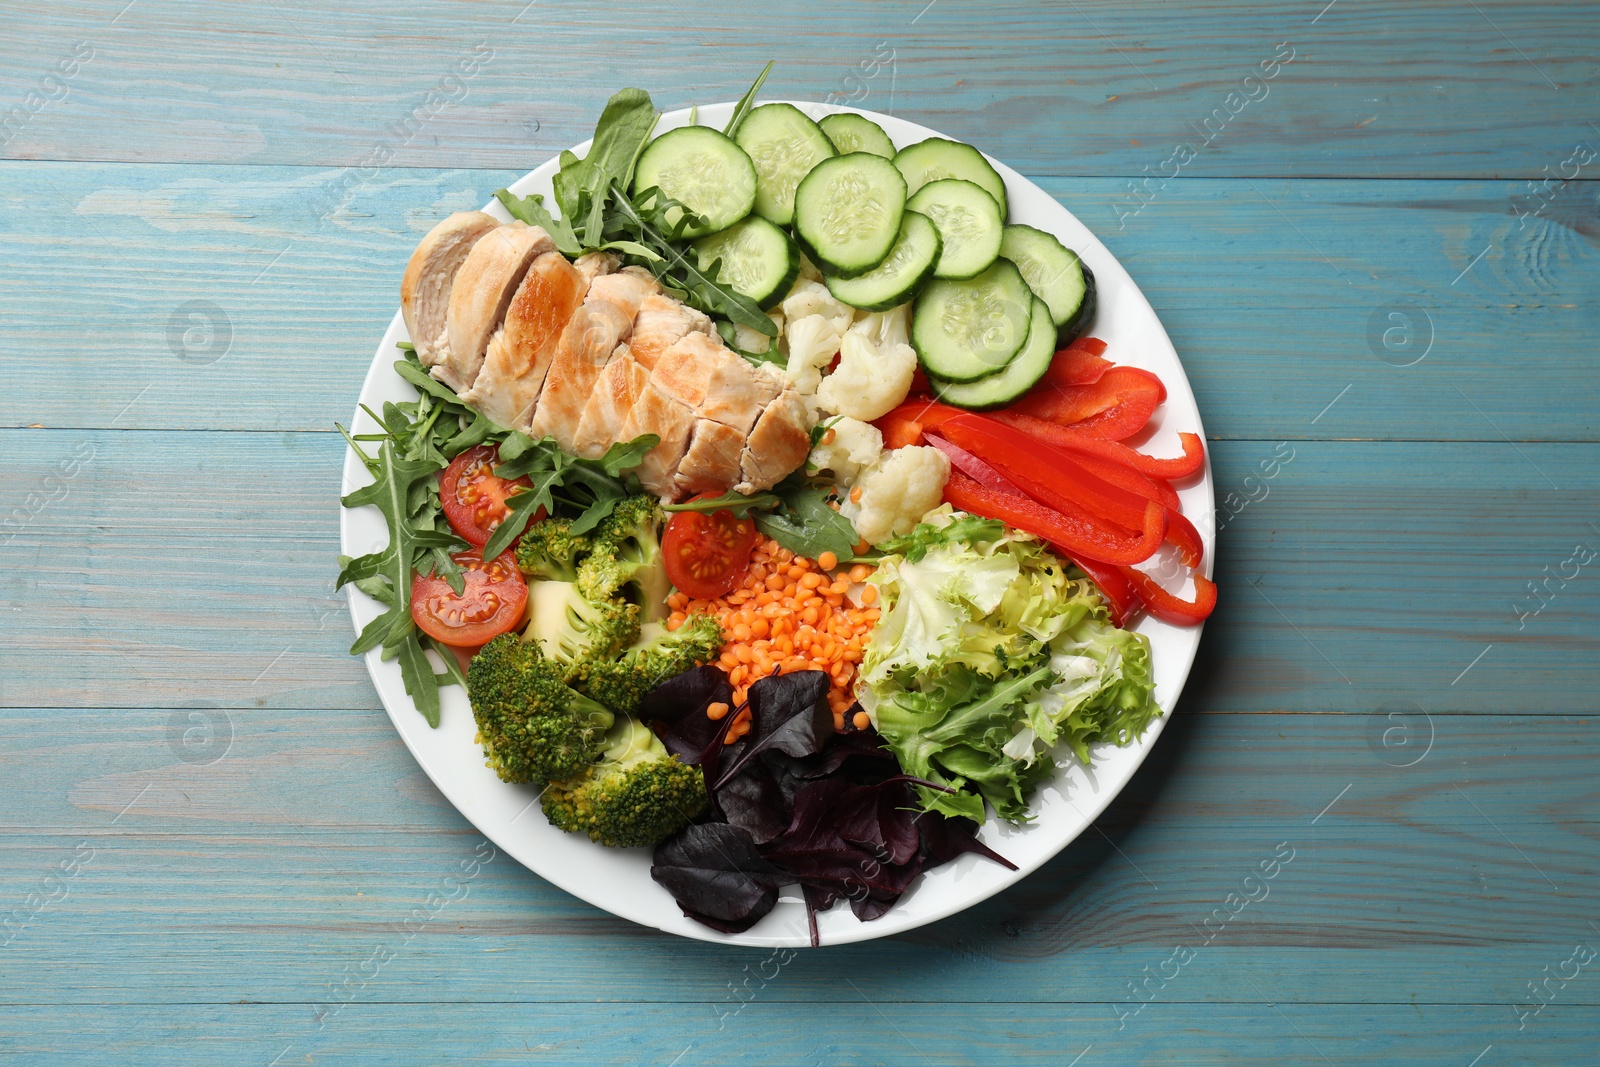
pixel 655 412
pixel 661 323
pixel 779 443
pixel 483 287
pixel 711 463
pixel 704 375
pixel 593 264
pixel 520 352
pixel 589 342
pixel 605 416
pixel 425 287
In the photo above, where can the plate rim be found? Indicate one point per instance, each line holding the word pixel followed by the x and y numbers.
pixel 838 925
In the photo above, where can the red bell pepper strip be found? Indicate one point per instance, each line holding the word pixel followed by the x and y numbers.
pixel 1075 440
pixel 1044 473
pixel 1174 609
pixel 921 408
pixel 897 432
pixel 1117 406
pixel 973 467
pixel 1080 363
pixel 1075 533
pixel 1116 589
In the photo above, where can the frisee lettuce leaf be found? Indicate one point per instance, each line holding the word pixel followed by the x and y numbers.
pixel 991 652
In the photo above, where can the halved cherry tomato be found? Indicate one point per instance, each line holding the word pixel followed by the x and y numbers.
pixel 491 604
pixel 1116 406
pixel 706 555
pixel 474 496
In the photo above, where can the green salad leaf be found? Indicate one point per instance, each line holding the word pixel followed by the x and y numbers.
pixel 990 653
pixel 804 523
pixel 599 213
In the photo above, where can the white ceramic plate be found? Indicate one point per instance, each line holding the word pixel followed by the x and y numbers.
pixel 618 880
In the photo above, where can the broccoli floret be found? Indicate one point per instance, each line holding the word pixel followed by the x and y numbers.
pixel 638 794
pixel 578 631
pixel 625 560
pixel 550 550
pixel 622 682
pixel 532 725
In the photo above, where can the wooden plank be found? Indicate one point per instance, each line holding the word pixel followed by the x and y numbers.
pixel 310 835
pixel 851 1033
pixel 196 569
pixel 251 879
pixel 1276 294
pixel 1092 88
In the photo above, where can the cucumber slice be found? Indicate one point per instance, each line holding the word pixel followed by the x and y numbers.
pixel 900 276
pixel 856 133
pixel 847 212
pixel 970 329
pixel 784 145
pixel 928 161
pixel 1020 375
pixel 1055 274
pixel 969 225
pixel 703 170
pixel 758 259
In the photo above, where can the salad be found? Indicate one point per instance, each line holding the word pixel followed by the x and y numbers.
pixel 771 503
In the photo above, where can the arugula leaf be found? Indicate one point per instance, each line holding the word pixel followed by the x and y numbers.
pixel 624 456
pixel 644 219
pixel 620 135
pixel 531 209
pixel 591 487
pixel 747 100
pixel 807 526
pixel 738 503
pixel 730 337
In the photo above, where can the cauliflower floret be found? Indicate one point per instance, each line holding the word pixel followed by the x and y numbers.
pixel 871 379
pixel 756 342
pixel 886 328
pixel 855 446
pixel 897 491
pixel 812 298
pixel 813 342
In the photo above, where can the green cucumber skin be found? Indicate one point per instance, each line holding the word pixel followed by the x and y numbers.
pixel 756 120
pixel 929 194
pixel 978 169
pixel 1079 324
pixel 792 258
pixel 714 225
pixel 904 295
pixel 969 395
pixel 920 342
pixel 846 119
pixel 824 263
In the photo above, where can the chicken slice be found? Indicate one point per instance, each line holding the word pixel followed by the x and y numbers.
pixel 425 287
pixel 628 288
pixel 655 412
pixel 593 264
pixel 483 288
pixel 520 351
pixel 589 342
pixel 711 463
pixel 605 416
pixel 661 323
pixel 703 374
pixel 778 444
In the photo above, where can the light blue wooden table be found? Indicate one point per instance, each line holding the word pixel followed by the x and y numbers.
pixel 1379 265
